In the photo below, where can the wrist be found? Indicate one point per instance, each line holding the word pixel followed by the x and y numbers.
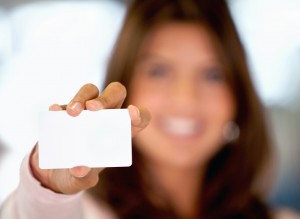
pixel 39 174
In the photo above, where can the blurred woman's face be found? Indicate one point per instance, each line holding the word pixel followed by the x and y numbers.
pixel 180 79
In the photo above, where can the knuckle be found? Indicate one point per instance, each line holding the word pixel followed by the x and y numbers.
pixel 120 88
pixel 85 183
pixel 92 181
pixel 145 118
pixel 91 87
pixel 104 100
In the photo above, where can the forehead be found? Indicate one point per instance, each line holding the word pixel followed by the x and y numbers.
pixel 179 38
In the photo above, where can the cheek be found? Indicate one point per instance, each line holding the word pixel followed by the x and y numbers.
pixel 222 107
pixel 143 94
pixel 218 111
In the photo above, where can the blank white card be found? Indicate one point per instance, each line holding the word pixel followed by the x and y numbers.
pixel 94 139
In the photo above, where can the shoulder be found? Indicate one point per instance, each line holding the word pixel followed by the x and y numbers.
pixel 285 213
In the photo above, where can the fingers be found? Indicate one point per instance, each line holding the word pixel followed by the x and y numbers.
pixel 80 172
pixel 56 107
pixel 112 97
pixel 74 180
pixel 88 98
pixel 71 181
pixel 83 183
pixel 140 118
pixel 83 171
pixel 77 104
pixel 83 178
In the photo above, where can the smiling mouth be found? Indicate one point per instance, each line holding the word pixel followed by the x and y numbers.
pixel 181 127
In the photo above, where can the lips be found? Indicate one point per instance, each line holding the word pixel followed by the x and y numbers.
pixel 181 127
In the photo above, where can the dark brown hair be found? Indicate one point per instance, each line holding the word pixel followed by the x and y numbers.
pixel 228 189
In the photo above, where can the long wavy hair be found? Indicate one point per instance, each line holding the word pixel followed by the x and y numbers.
pixel 228 190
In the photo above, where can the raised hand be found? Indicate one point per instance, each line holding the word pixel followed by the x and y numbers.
pixel 70 181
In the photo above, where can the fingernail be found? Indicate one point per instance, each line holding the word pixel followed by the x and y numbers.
pixel 75 107
pixel 134 112
pixel 94 105
pixel 54 107
pixel 80 172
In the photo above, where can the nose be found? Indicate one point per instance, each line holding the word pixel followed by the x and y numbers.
pixel 184 94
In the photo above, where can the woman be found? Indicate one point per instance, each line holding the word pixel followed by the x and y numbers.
pixel 206 145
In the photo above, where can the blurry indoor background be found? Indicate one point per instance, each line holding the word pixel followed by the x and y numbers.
pixel 48 49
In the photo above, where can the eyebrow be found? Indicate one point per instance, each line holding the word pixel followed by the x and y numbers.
pixel 155 57
pixel 150 56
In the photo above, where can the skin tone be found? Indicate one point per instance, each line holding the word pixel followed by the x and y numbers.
pixel 71 181
pixel 179 79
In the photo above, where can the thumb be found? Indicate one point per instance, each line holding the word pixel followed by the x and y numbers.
pixel 140 118
pixel 80 172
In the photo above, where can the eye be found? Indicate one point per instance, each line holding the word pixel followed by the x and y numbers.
pixel 214 74
pixel 158 71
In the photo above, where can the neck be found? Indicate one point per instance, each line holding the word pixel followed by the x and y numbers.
pixel 180 187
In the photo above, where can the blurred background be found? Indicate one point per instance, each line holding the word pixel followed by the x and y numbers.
pixel 49 49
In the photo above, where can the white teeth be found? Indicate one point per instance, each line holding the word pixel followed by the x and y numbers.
pixel 180 126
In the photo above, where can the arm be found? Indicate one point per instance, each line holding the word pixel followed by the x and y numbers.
pixel 43 193
pixel 32 201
